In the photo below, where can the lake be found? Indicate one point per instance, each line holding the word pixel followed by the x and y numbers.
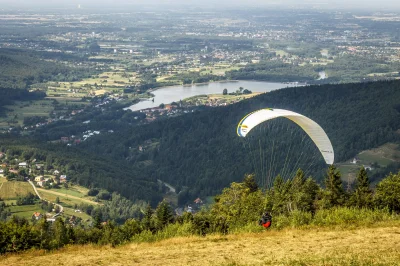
pixel 176 93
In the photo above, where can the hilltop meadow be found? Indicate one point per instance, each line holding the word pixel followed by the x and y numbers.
pixel 377 245
pixel 310 226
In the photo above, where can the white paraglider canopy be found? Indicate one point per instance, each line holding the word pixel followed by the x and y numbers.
pixel 313 130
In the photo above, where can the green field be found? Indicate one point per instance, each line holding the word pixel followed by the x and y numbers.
pixel 9 190
pixel 203 99
pixel 82 215
pixel 70 192
pixel 13 189
pixel 65 200
pixel 111 82
pixel 383 155
pixel 17 112
pixel 26 211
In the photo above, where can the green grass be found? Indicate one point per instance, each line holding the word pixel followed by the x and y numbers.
pixel 18 111
pixel 368 158
pixel 65 200
pixel 348 171
pixel 26 211
pixel 82 215
pixel 10 202
pixel 106 82
pixel 383 155
pixel 69 192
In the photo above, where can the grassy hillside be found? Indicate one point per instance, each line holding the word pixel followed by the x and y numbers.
pixel 13 189
pixel 86 169
pixel 382 158
pixel 21 68
pixel 201 151
pixel 334 246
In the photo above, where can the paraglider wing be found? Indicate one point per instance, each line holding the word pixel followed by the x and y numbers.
pixel 313 130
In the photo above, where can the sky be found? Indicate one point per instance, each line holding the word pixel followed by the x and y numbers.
pixel 325 4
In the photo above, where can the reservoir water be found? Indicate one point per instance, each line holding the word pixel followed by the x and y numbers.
pixel 176 93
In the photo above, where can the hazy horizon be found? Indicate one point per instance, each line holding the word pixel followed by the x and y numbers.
pixel 384 5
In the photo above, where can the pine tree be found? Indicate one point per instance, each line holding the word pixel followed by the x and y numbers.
pixel 362 196
pixel 280 195
pixel 163 215
pixel 147 221
pixel 250 183
pixel 387 193
pixel 59 233
pixel 44 233
pixel 303 193
pixel 334 194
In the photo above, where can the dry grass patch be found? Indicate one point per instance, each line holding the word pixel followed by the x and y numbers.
pixel 364 246
pixel 13 189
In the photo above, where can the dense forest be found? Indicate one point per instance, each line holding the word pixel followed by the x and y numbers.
pixel 20 68
pixel 200 153
pixel 8 96
pixel 274 71
pixel 345 69
pixel 86 169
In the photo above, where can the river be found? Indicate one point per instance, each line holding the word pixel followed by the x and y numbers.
pixel 176 93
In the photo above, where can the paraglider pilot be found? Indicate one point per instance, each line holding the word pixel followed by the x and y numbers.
pixel 265 220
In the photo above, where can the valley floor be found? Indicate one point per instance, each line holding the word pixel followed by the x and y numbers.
pixel 360 246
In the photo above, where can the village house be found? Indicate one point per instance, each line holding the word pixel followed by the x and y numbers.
pixel 198 201
pixel 23 164
pixel 36 215
pixel 368 167
pixel 13 171
pixel 354 161
pixel 2 154
pixel 1 172
pixel 39 178
pixel 63 178
pixel 56 172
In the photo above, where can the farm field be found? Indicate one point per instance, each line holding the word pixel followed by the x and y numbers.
pixel 383 155
pixel 13 189
pixel 66 200
pixel 20 110
pixel 202 99
pixel 25 211
pixel 112 82
pixel 378 245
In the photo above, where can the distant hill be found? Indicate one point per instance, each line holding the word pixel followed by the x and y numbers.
pixel 200 153
pixel 21 68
